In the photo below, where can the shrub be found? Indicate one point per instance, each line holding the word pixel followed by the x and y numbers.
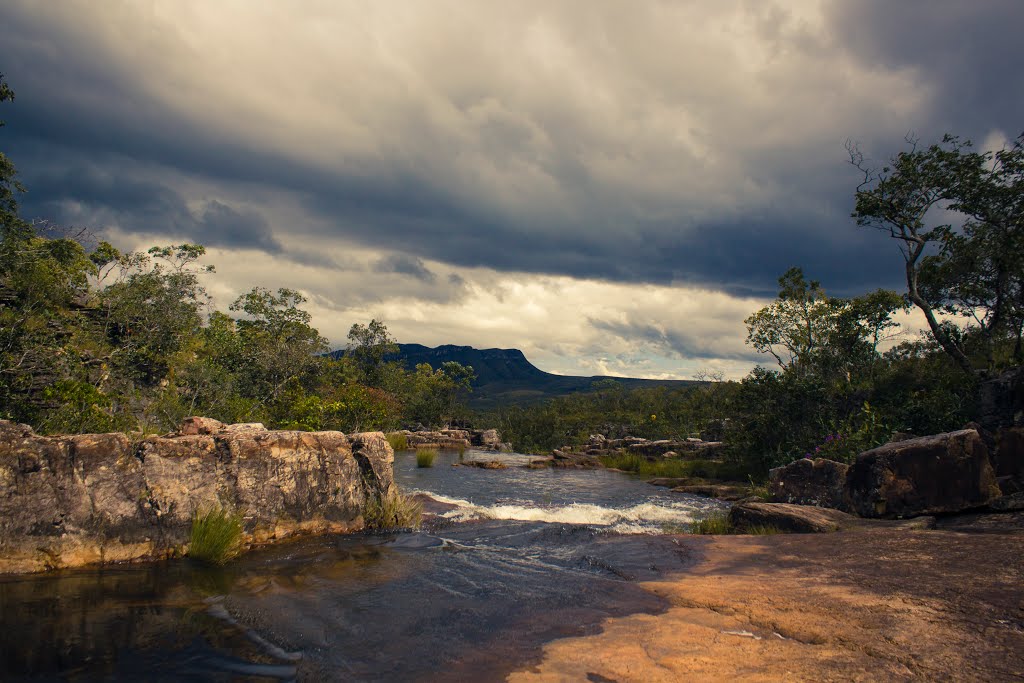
pixel 393 511
pixel 425 457
pixel 398 441
pixel 216 535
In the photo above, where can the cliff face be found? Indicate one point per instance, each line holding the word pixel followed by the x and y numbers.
pixel 76 500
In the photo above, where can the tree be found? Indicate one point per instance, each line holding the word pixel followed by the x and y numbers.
pixel 971 265
pixel 807 331
pixel 278 345
pixel 369 346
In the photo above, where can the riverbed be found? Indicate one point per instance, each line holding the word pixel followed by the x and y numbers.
pixel 510 560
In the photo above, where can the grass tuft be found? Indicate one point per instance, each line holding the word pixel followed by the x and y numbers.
pixel 717 523
pixel 425 457
pixel 393 511
pixel 676 468
pixel 398 441
pixel 216 535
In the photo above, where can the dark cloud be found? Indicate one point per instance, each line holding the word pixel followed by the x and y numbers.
pixel 99 196
pixel 406 265
pixel 84 119
pixel 968 53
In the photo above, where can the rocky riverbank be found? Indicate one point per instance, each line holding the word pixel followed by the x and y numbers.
pixel 879 603
pixel 70 501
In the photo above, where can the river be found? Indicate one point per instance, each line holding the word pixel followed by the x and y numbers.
pixel 509 559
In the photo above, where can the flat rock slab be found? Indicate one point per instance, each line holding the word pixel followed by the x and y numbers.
pixel 727 492
pixel 798 519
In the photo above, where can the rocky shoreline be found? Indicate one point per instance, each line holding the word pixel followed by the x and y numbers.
pixel 86 499
pixel 887 602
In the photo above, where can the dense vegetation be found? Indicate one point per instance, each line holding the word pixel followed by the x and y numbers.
pixel 957 216
pixel 93 339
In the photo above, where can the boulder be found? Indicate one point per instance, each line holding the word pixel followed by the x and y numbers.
pixel 200 425
pixel 95 498
pixel 927 475
pixel 798 519
pixel 1008 459
pixel 817 482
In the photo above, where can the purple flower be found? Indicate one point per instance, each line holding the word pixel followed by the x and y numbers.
pixel 807 455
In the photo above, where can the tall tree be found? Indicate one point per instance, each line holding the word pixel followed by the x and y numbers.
pixel 957 216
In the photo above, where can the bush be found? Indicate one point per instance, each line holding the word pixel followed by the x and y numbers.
pixel 398 441
pixel 216 535
pixel 425 457
pixel 393 511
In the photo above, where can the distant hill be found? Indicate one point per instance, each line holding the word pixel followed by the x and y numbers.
pixel 505 376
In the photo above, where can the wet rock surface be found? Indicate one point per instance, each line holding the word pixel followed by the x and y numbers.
pixel 87 499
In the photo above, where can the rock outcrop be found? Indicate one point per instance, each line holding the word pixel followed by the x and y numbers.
pixel 458 439
pixel 927 475
pixel 85 499
pixel 817 482
pixel 797 519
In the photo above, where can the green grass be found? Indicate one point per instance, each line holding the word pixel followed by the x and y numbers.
pixel 425 457
pixel 398 441
pixel 394 511
pixel 705 469
pixel 216 535
pixel 716 523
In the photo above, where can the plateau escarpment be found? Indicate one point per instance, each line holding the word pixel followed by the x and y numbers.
pixel 83 499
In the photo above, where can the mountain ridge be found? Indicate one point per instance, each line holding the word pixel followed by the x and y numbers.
pixel 506 376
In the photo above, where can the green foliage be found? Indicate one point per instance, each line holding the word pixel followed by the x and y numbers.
pixel 956 214
pixel 674 467
pixel 425 457
pixel 398 441
pixel 216 535
pixel 393 511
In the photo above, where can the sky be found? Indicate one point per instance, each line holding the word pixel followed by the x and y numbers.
pixel 612 187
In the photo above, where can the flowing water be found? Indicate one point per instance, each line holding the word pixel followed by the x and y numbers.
pixel 509 559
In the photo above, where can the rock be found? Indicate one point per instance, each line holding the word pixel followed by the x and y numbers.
pixel 1009 503
pixel 482 464
pixel 817 482
pixel 200 425
pixel 728 492
pixel 901 436
pixel 1008 459
pixel 451 439
pixel 927 475
pixel 96 498
pixel 486 439
pixel 673 482
pixel 799 519
pixel 1001 400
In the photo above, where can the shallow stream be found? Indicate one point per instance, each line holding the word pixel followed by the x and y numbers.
pixel 511 558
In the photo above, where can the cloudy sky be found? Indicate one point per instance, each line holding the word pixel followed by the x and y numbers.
pixel 610 186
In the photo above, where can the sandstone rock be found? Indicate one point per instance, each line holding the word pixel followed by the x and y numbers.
pixel 92 498
pixel 453 439
pixel 673 482
pixel 482 464
pixel 817 482
pixel 200 425
pixel 728 492
pixel 931 474
pixel 800 519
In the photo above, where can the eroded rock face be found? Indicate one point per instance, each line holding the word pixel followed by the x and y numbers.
pixel 927 475
pixel 92 498
pixel 818 482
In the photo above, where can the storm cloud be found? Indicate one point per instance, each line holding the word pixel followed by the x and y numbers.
pixel 455 145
